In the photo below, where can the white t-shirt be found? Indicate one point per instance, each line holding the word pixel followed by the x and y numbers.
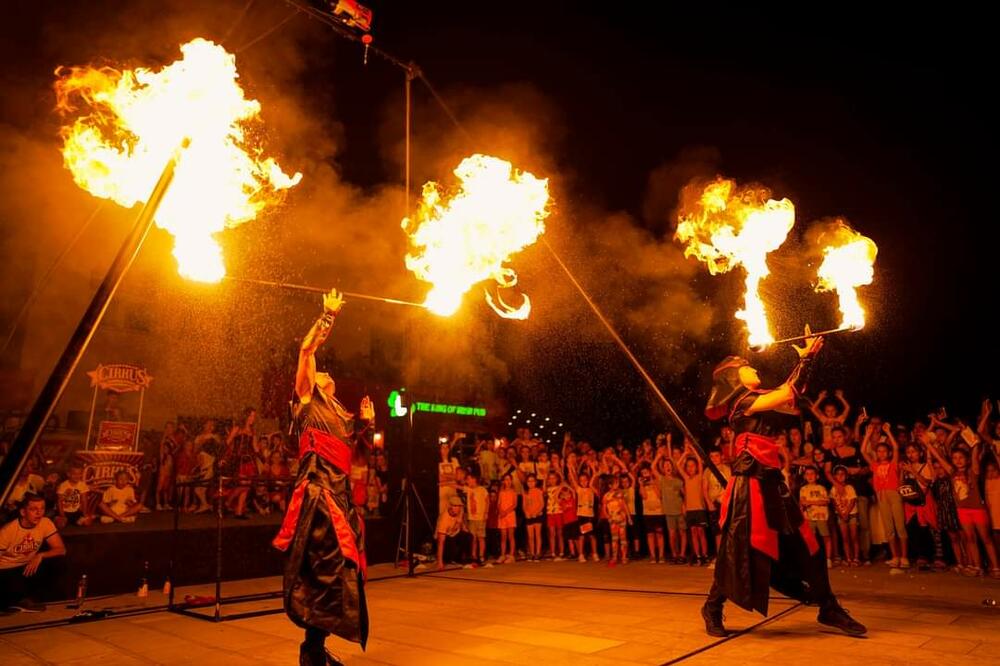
pixel 813 492
pixel 18 545
pixel 71 495
pixel 842 497
pixel 479 502
pixel 119 499
pixel 446 472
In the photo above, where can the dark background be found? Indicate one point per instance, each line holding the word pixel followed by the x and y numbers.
pixel 881 119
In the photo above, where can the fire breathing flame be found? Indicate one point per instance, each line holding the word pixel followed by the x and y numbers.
pixel 462 238
pixel 848 263
pixel 131 122
pixel 725 226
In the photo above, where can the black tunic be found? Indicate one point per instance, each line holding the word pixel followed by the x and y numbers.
pixel 322 534
pixel 743 573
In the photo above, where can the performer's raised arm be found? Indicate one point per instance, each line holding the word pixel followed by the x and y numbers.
pixel 305 374
pixel 784 397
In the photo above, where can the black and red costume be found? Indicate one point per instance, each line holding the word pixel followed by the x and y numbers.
pixel 322 534
pixel 766 542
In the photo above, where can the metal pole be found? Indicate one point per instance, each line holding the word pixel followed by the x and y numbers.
pixel 218 553
pixel 406 157
pixel 90 421
pixel 675 417
pixel 138 425
pixel 46 402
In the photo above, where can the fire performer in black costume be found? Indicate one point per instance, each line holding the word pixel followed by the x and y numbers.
pixel 765 540
pixel 322 534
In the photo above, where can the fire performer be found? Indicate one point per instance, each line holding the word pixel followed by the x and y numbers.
pixel 765 541
pixel 322 534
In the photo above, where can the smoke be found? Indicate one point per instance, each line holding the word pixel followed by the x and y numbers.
pixel 207 345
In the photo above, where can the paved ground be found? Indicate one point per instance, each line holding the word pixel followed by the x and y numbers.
pixel 550 613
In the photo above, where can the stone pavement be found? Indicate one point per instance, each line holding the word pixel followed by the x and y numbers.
pixel 550 613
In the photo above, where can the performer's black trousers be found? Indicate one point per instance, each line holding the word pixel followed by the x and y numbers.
pixel 796 574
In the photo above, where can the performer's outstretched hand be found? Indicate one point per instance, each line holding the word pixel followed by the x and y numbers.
pixel 367 409
pixel 812 345
pixel 333 301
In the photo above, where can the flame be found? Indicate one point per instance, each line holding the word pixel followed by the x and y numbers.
pixel 726 226
pixel 467 237
pixel 508 311
pixel 134 120
pixel 848 263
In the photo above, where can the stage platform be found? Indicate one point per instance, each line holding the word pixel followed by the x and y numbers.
pixel 549 613
pixel 113 555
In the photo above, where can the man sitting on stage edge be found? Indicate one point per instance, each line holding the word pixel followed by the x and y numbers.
pixel 21 555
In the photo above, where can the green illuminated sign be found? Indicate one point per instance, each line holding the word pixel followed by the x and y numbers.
pixel 396 407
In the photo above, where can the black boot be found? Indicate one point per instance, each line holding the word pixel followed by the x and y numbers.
pixel 713 621
pixel 833 615
pixel 310 655
pixel 312 651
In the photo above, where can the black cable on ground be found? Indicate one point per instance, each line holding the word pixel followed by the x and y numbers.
pixel 734 635
pixel 582 588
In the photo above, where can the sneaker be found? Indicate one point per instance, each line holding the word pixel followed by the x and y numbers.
pixel 838 618
pixel 488 565
pixel 904 563
pixel 28 606
pixel 558 558
pixel 713 622
pixel 894 562
pixel 470 566
pixel 653 560
pixel 829 563
pixel 711 565
pixel 596 557
pixel 582 558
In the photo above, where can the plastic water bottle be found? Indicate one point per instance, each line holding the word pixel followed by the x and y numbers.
pixel 166 587
pixel 81 591
pixel 143 592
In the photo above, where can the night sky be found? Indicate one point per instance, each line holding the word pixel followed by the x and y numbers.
pixel 882 120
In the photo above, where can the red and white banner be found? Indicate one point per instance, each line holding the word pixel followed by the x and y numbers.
pixel 116 435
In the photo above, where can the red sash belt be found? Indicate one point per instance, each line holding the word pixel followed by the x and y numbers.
pixel 763 449
pixel 328 447
pixel 337 453
pixel 762 537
